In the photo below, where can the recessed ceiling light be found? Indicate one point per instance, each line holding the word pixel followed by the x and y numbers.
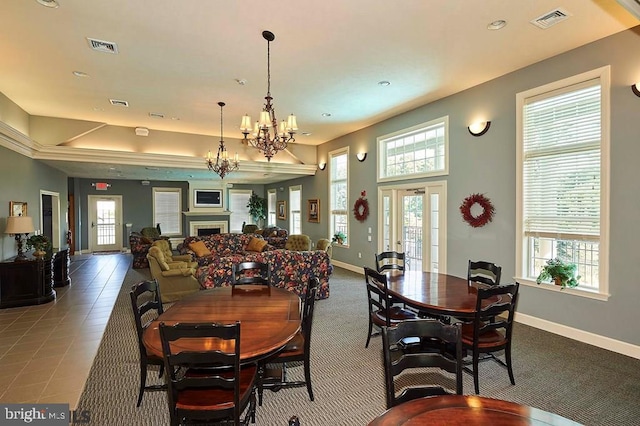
pixel 49 3
pixel 241 81
pixel 326 114
pixel 496 25
pixel 384 83
pixel 80 74
pixel 156 115
pixel 175 118
pixel 306 133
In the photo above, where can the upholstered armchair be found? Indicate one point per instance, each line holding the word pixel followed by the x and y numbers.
pixel 173 258
pixel 176 279
pixel 299 242
pixel 325 244
pixel 139 245
pixel 249 228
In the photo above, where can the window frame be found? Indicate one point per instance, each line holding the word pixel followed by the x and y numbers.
pixel 331 213
pixel 603 74
pixel 178 212
pixel 272 207
pixel 384 139
pixel 248 217
pixel 295 212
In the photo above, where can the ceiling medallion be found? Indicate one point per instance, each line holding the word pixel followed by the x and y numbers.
pixel 267 137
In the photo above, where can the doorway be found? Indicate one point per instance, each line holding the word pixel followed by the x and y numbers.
pixel 105 219
pixel 50 217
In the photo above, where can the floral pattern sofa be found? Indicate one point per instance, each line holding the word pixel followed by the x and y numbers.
pixel 288 269
pixel 139 245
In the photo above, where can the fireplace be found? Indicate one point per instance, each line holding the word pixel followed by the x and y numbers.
pixel 202 228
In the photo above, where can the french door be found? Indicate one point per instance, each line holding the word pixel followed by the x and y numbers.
pixel 413 221
pixel 105 221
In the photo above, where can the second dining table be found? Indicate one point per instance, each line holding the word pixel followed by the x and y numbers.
pixel 435 293
pixel 269 318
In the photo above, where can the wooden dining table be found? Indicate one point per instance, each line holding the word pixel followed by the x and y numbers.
pixel 435 293
pixel 461 410
pixel 269 318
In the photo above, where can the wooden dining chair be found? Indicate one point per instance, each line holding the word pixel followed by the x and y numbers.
pixel 398 362
pixel 382 311
pixel 256 273
pixel 491 329
pixel 146 303
pixel 390 260
pixel 207 386
pixel 297 350
pixel 484 272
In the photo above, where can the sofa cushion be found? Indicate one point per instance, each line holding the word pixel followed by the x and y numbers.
pixel 256 244
pixel 156 253
pixel 199 248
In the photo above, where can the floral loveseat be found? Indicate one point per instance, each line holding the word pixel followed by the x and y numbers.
pixel 288 269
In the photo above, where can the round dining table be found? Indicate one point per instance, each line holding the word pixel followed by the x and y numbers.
pixel 269 318
pixel 461 410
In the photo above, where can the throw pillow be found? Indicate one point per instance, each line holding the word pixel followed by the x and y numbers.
pixel 256 244
pixel 199 248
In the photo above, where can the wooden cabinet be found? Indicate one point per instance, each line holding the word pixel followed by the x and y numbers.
pixel 60 268
pixel 28 282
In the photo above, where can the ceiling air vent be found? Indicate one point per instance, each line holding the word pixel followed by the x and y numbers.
pixel 156 115
pixel 118 102
pixel 103 46
pixel 550 19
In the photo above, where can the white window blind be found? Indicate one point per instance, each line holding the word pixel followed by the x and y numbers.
pixel 238 200
pixel 295 209
pixel 271 207
pixel 561 163
pixel 167 212
pixel 339 193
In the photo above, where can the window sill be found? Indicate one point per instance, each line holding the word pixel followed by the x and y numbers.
pixel 590 294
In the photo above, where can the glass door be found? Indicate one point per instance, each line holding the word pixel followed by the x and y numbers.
pixel 105 233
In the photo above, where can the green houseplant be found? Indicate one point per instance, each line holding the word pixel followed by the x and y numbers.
pixel 257 207
pixel 339 237
pixel 560 272
pixel 40 244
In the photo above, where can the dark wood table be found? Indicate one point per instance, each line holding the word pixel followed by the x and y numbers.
pixel 437 294
pixel 269 317
pixel 467 411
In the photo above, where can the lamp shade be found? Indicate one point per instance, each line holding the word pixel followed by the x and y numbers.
pixel 19 225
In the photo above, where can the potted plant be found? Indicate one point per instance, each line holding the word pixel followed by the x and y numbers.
pixel 339 237
pixel 560 272
pixel 40 244
pixel 257 207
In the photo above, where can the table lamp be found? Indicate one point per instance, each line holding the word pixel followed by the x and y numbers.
pixel 18 225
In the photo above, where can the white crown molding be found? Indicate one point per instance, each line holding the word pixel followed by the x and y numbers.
pixel 16 141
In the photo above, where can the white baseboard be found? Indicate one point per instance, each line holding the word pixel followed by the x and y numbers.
pixel 603 342
pixel 580 335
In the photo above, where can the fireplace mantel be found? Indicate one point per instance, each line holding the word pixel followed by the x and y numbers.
pixel 208 213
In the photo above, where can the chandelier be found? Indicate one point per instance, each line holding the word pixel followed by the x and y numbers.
pixel 267 137
pixel 222 166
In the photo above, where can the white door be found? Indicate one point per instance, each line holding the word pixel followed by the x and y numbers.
pixel 105 221
pixel 410 228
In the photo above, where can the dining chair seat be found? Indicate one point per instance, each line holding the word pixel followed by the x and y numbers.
pixel 295 346
pixel 486 340
pixel 217 399
pixel 396 314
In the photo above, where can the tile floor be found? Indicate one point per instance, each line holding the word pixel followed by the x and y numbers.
pixel 46 351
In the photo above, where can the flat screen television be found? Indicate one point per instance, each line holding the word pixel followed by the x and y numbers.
pixel 207 198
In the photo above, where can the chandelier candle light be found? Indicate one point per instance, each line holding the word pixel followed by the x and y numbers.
pixel 222 166
pixel 263 139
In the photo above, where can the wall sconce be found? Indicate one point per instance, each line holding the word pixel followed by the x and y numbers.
pixel 634 89
pixel 479 128
pixel 322 166
pixel 361 156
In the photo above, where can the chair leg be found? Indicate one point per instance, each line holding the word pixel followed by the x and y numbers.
pixel 143 382
pixel 307 376
pixel 369 335
pixel 507 356
pixel 252 405
pixel 261 370
pixel 476 381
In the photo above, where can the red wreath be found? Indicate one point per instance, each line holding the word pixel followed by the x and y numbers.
pixel 361 209
pixel 487 210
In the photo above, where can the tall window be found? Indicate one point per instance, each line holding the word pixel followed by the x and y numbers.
pixel 419 151
pixel 167 210
pixel 564 178
pixel 271 207
pixel 238 200
pixel 295 209
pixel 339 192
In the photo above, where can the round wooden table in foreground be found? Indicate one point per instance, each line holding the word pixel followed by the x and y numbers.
pixel 269 317
pixel 454 410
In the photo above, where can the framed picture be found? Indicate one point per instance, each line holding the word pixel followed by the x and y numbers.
pixel 282 210
pixel 17 208
pixel 313 206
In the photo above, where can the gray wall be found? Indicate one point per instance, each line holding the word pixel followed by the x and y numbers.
pixel 22 180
